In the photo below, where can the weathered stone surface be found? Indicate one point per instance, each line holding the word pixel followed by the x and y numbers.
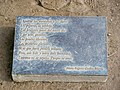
pixel 53 4
pixel 60 45
pixel 81 6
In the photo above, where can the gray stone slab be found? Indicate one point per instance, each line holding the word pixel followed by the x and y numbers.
pixel 60 48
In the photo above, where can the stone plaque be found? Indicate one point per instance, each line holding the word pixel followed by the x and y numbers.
pixel 60 48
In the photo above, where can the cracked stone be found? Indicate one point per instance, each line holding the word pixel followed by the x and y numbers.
pixel 77 7
pixel 81 6
pixel 53 4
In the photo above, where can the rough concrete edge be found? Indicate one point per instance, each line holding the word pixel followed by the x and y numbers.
pixel 59 78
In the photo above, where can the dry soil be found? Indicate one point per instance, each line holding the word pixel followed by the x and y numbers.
pixel 9 9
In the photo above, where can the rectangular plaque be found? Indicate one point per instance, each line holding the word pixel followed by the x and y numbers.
pixel 60 48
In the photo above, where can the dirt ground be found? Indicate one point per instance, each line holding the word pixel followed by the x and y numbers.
pixel 9 9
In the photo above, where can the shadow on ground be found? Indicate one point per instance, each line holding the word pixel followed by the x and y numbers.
pixel 6 52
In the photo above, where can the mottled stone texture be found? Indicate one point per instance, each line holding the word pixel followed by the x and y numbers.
pixel 9 9
pixel 85 39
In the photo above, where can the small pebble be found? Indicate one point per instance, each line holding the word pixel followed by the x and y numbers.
pixel 111 20
pixel 34 3
pixel 108 34
pixel 6 18
pixel 102 5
